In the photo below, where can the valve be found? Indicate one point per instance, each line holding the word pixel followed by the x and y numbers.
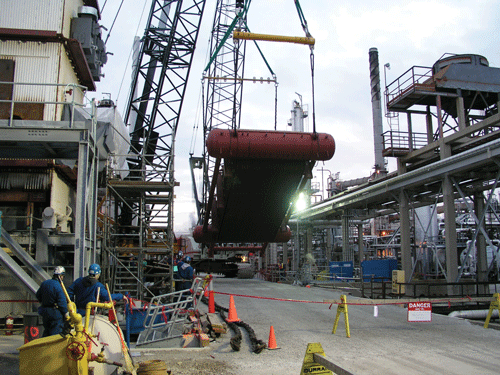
pixel 75 351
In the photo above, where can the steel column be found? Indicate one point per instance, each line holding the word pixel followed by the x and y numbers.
pixel 347 251
pixel 481 256
pixel 451 233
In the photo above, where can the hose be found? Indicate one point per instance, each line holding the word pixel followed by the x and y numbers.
pixel 235 342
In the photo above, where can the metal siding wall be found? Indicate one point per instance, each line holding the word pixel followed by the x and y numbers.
pixel 35 63
pixel 32 14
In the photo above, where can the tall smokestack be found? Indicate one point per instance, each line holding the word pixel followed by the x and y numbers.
pixel 376 112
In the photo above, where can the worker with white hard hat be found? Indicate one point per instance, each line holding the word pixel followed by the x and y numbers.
pixel 85 289
pixel 54 306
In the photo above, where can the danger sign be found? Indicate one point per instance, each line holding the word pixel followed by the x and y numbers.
pixel 419 312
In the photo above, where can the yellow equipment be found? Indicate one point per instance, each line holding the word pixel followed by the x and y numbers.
pixel 73 353
pixel 398 279
pixel 342 309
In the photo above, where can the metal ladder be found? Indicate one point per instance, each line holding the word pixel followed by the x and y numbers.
pixel 167 313
pixel 124 280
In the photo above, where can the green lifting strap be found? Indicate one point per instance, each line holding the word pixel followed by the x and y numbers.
pixel 258 48
pixel 242 15
pixel 303 21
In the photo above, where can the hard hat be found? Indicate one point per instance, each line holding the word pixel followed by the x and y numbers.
pixel 187 259
pixel 181 254
pixel 59 270
pixel 94 269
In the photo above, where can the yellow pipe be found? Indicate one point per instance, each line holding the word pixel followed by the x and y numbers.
pixel 76 319
pixel 88 309
pixel 273 38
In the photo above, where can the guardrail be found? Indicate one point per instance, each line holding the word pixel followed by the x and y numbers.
pixel 398 140
pixel 46 98
pixel 416 75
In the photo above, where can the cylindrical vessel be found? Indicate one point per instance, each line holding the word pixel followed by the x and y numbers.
pixel 255 144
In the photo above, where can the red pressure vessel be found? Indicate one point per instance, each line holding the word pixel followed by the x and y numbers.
pixel 260 144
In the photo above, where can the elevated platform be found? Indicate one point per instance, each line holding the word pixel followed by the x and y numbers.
pixel 449 78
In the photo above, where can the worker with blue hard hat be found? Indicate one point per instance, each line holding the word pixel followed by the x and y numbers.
pixel 185 274
pixel 54 306
pixel 85 290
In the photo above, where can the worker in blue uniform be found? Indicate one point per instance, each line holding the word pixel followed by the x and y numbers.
pixel 54 306
pixel 85 289
pixel 185 274
pixel 184 278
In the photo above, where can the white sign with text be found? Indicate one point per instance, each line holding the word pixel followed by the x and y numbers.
pixel 419 312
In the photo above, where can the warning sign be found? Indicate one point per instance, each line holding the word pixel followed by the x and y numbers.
pixel 419 312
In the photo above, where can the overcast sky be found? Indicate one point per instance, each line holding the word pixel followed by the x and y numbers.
pixel 406 33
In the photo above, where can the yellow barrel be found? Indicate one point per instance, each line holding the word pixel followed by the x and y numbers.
pixel 154 367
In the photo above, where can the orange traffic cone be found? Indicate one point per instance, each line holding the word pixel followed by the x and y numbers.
pixel 233 315
pixel 272 340
pixel 211 302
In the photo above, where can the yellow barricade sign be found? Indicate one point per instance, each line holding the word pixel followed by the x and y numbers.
pixel 494 305
pixel 309 366
pixel 342 308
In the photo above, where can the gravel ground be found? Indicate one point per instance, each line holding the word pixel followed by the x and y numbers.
pixel 386 344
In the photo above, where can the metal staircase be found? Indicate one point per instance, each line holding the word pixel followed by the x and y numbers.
pixel 126 275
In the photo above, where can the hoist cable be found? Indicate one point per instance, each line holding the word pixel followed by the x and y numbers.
pixel 199 108
pixel 275 103
pixel 105 1
pixel 303 22
pixel 129 56
pixel 312 86
pixel 113 24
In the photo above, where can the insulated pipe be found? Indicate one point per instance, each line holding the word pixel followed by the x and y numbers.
pixel 273 38
pixel 473 314
pixel 378 128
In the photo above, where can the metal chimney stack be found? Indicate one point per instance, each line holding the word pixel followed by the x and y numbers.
pixel 376 112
